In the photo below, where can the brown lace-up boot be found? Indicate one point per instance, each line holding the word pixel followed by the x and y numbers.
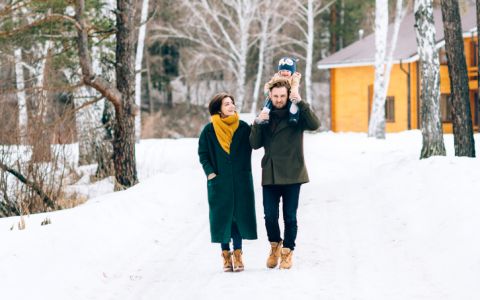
pixel 286 262
pixel 227 261
pixel 274 255
pixel 237 261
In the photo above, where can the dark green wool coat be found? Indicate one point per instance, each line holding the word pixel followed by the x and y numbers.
pixel 230 193
pixel 283 161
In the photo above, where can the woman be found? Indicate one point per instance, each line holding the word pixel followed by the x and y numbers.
pixel 225 154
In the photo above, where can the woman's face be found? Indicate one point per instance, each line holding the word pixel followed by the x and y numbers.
pixel 228 107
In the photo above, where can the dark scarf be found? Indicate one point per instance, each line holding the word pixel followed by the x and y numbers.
pixel 276 116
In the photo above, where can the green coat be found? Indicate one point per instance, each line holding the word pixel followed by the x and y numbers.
pixel 230 193
pixel 283 161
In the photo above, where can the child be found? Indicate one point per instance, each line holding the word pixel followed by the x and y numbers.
pixel 286 69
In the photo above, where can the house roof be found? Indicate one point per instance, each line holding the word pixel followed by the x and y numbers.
pixel 362 52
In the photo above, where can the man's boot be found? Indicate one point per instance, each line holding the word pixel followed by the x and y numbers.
pixel 227 261
pixel 274 256
pixel 286 262
pixel 237 261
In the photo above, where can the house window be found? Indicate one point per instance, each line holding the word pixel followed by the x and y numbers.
pixel 390 109
pixel 442 56
pixel 445 108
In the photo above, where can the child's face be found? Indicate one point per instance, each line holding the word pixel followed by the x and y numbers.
pixel 284 73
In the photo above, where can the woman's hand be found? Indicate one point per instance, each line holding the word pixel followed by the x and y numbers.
pixel 211 176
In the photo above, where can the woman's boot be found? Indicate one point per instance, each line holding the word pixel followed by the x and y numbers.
pixel 237 261
pixel 227 261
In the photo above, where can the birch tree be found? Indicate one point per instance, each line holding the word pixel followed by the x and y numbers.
pixel 270 22
pixel 376 126
pixel 138 67
pixel 221 30
pixel 21 95
pixel 305 17
pixel 383 64
pixel 457 72
pixel 432 142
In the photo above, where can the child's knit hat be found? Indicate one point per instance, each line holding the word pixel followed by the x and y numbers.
pixel 287 63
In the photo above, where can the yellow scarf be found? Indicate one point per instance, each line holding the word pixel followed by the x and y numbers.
pixel 224 129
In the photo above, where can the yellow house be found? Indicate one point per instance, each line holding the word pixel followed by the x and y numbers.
pixel 352 76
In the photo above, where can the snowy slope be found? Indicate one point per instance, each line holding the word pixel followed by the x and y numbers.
pixel 375 222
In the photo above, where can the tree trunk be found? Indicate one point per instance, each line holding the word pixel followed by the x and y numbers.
pixel 309 60
pixel 333 29
pixel 40 137
pixel 432 143
pixel 457 71
pixel 122 97
pixel 149 82
pixel 124 142
pixel 21 97
pixel 104 147
pixel 399 14
pixel 376 126
pixel 261 61
pixel 138 68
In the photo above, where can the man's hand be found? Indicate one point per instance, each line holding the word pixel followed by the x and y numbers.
pixel 211 176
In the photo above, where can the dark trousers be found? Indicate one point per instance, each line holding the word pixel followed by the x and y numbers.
pixel 271 201
pixel 236 237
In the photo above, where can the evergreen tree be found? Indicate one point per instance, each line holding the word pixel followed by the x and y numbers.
pixel 457 72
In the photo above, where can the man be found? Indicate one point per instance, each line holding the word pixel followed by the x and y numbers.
pixel 283 167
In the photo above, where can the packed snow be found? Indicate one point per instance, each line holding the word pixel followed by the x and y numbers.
pixel 375 222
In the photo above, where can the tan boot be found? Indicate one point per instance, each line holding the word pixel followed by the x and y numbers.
pixel 274 255
pixel 286 262
pixel 237 261
pixel 227 261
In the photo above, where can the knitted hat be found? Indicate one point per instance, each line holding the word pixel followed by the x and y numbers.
pixel 288 64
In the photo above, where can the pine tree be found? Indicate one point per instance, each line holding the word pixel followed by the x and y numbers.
pixel 457 71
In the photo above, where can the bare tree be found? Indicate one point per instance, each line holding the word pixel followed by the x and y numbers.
pixel 270 23
pixel 383 64
pixel 221 30
pixel 138 67
pixel 306 12
pixel 457 71
pixel 430 80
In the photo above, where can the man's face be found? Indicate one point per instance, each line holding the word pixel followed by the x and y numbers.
pixel 279 96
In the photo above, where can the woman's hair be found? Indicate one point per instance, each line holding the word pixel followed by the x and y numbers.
pixel 215 104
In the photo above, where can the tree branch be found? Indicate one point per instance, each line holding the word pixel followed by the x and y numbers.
pixel 89 77
pixel 49 202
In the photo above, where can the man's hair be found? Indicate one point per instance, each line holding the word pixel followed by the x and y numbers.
pixel 280 82
pixel 215 105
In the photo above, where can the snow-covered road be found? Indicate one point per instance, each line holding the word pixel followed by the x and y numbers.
pixel 374 223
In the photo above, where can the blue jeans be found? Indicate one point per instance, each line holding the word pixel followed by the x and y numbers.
pixel 271 201
pixel 236 237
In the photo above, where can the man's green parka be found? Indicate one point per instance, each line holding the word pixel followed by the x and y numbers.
pixel 283 162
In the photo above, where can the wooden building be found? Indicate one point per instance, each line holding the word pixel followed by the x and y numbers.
pixel 352 75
